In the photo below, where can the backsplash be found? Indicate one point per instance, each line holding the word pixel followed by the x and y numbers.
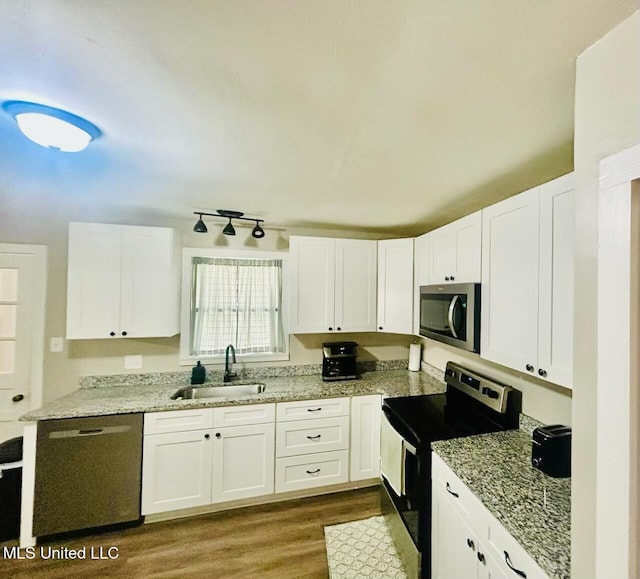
pixel 253 373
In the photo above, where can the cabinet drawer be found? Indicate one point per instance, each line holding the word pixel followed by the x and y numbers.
pixel 313 470
pixel 509 554
pixel 462 499
pixel 308 409
pixel 308 436
pixel 244 414
pixel 178 420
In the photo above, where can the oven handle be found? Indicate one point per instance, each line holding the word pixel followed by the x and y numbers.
pixel 409 447
pixel 452 307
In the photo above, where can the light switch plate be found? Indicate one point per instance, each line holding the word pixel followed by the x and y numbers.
pixel 132 362
pixel 56 344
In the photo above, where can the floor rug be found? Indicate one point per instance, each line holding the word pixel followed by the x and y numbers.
pixel 362 549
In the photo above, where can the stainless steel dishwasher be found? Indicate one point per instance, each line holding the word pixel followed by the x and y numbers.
pixel 88 473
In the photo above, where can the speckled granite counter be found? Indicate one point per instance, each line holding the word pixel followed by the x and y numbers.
pixel 124 399
pixel 533 507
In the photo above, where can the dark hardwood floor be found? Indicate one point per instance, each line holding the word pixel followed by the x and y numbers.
pixel 280 540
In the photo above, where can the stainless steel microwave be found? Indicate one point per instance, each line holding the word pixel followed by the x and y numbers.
pixel 450 313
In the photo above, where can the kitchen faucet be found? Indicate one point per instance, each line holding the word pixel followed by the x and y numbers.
pixel 227 374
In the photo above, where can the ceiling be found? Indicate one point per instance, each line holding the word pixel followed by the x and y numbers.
pixel 383 115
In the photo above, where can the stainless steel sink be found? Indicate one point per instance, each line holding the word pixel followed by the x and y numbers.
pixel 220 391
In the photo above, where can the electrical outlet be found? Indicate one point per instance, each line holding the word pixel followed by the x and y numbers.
pixel 56 344
pixel 133 362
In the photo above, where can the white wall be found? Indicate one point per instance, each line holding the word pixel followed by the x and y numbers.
pixel 607 120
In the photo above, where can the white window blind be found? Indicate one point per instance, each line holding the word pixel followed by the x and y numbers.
pixel 236 301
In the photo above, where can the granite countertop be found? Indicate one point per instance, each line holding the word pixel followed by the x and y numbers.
pixel 533 507
pixel 124 399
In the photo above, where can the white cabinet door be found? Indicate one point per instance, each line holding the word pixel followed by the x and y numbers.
pixel 150 282
pixel 456 251
pixel 356 276
pixel 395 286
pixel 309 436
pixel 422 252
pixel 176 471
pixel 123 281
pixel 510 248
pixel 365 437
pixel 93 281
pixel 454 544
pixel 555 343
pixel 312 261
pixel 243 462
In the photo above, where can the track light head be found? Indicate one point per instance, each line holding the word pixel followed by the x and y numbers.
pixel 228 228
pixel 257 232
pixel 200 226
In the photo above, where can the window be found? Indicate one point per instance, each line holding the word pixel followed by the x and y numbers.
pixel 233 298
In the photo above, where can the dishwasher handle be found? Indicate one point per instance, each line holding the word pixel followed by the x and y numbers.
pixel 79 433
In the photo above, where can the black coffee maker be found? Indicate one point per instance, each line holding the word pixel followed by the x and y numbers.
pixel 339 361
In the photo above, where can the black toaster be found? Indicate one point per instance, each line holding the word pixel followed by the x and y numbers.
pixel 551 450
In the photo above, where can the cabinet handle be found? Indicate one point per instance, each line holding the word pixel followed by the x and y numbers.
pixel 446 278
pixel 380 327
pixel 18 398
pixel 314 409
pixel 338 328
pixel 207 436
pixel 529 368
pixel 481 558
pixel 112 333
pixel 507 560
pixel 124 333
pixel 314 438
pixel 542 372
pixel 330 329
pixel 451 278
pixel 471 544
pixel 218 435
pixel 451 492
pixel 313 471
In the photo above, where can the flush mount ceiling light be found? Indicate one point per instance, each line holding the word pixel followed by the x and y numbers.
pixel 52 128
pixel 200 226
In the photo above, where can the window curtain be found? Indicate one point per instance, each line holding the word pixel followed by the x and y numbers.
pixel 239 302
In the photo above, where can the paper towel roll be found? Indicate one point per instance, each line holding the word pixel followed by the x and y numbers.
pixel 415 357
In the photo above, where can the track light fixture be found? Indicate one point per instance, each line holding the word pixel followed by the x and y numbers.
pixel 200 226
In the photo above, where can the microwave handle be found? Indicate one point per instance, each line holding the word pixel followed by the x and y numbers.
pixel 452 307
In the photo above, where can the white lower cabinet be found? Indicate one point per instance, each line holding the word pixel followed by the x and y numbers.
pixel 365 437
pixel 294 473
pixel 176 471
pixel 243 462
pixel 192 468
pixel 467 540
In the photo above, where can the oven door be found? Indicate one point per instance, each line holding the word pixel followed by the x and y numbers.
pixel 451 314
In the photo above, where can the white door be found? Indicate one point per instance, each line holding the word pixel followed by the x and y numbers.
pixel 395 286
pixel 365 437
pixel 356 285
pixel 22 297
pixel 443 254
pixel 510 248
pixel 243 462
pixel 93 281
pixel 176 471
pixel 555 343
pixel 455 546
pixel 312 284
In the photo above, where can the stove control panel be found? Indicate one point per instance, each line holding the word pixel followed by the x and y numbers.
pixel 486 390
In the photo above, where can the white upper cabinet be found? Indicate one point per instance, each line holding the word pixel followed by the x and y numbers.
pixel 123 281
pixel 455 251
pixel 395 286
pixel 527 282
pixel 333 285
pixel 421 253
